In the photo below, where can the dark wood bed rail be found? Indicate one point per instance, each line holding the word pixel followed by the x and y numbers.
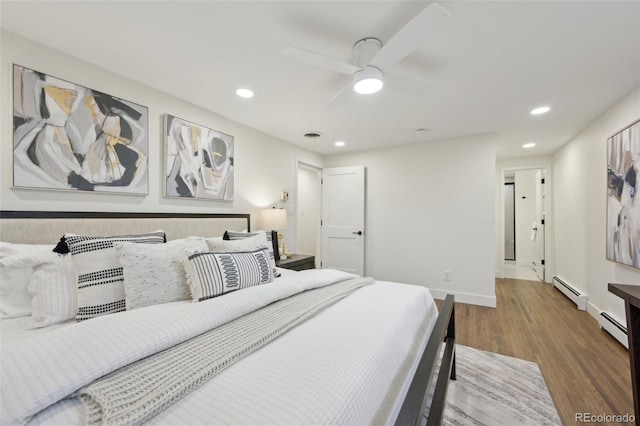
pixel 417 399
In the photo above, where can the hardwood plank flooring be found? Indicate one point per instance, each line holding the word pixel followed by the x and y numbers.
pixel 586 370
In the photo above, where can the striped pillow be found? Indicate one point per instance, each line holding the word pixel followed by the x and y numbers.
pixel 211 274
pixel 100 275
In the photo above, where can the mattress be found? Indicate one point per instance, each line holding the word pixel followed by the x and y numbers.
pixel 349 364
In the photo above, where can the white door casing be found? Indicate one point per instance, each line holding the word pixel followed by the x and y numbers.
pixel 539 261
pixel 343 233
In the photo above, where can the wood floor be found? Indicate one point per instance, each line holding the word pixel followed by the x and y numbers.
pixel 586 370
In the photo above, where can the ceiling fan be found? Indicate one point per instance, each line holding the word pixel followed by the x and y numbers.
pixel 371 58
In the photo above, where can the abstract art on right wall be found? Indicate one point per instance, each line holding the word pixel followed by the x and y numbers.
pixel 623 200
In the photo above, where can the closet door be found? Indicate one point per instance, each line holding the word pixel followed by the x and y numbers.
pixel 343 233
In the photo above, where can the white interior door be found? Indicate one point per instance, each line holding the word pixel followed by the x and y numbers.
pixel 539 263
pixel 343 233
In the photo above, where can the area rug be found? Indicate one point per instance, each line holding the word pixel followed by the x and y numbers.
pixel 495 390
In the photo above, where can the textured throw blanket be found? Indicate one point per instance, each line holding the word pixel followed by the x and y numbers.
pixel 137 392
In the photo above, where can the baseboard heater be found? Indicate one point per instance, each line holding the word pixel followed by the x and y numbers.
pixel 574 295
pixel 614 328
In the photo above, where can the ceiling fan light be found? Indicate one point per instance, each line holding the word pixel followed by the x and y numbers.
pixel 368 80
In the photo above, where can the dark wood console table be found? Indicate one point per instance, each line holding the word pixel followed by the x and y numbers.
pixel 631 296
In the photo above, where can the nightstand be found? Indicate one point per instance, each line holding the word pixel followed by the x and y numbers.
pixel 297 262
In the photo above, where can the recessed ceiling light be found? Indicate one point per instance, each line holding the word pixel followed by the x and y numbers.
pixel 529 145
pixel 340 143
pixel 244 93
pixel 540 110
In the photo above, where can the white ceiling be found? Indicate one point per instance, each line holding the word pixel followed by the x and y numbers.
pixel 491 62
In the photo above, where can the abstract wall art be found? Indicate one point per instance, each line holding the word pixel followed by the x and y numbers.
pixel 199 161
pixel 623 200
pixel 69 137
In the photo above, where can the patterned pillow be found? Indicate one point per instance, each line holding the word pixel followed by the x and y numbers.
pixel 154 273
pixel 248 242
pixel 212 274
pixel 100 276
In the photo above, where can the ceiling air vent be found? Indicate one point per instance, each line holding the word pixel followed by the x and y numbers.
pixel 312 135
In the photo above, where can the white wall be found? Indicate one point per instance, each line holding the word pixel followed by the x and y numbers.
pixel 264 166
pixel 580 210
pixel 430 208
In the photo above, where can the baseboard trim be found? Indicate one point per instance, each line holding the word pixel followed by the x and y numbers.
pixel 472 299
pixel 593 310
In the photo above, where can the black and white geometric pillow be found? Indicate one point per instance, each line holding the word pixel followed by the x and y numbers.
pixel 100 275
pixel 211 274
pixel 246 241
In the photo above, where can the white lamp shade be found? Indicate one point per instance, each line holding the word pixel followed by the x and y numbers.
pixel 274 219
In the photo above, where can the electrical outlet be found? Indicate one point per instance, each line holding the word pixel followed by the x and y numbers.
pixel 447 275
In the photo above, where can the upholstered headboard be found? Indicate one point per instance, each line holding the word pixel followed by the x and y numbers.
pixel 36 227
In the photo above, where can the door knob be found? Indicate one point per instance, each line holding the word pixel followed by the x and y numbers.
pixel 357 233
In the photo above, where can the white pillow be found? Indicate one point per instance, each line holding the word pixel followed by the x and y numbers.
pixel 272 244
pixel 52 286
pixel 244 244
pixel 154 273
pixel 214 274
pixel 15 300
pixel 97 264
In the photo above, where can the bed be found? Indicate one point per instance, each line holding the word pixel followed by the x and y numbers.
pixel 298 349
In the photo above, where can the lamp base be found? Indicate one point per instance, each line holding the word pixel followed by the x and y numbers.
pixel 281 246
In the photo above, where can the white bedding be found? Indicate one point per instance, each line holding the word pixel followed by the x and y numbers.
pixel 349 364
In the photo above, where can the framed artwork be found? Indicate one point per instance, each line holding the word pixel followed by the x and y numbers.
pixel 199 161
pixel 623 200
pixel 70 137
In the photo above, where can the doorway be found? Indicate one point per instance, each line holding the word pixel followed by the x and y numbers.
pixel 327 211
pixel 509 218
pixel 308 208
pixel 523 227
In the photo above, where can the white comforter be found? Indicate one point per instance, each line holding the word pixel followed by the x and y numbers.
pixel 350 364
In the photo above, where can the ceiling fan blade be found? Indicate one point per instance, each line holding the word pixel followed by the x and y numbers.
pixel 320 61
pixel 407 85
pixel 408 37
pixel 341 98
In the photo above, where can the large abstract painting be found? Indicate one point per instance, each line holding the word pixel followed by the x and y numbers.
pixel 623 200
pixel 199 161
pixel 66 136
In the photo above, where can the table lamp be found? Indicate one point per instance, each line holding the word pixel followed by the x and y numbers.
pixel 276 220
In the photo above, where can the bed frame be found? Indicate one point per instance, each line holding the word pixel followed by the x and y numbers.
pixel 38 227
